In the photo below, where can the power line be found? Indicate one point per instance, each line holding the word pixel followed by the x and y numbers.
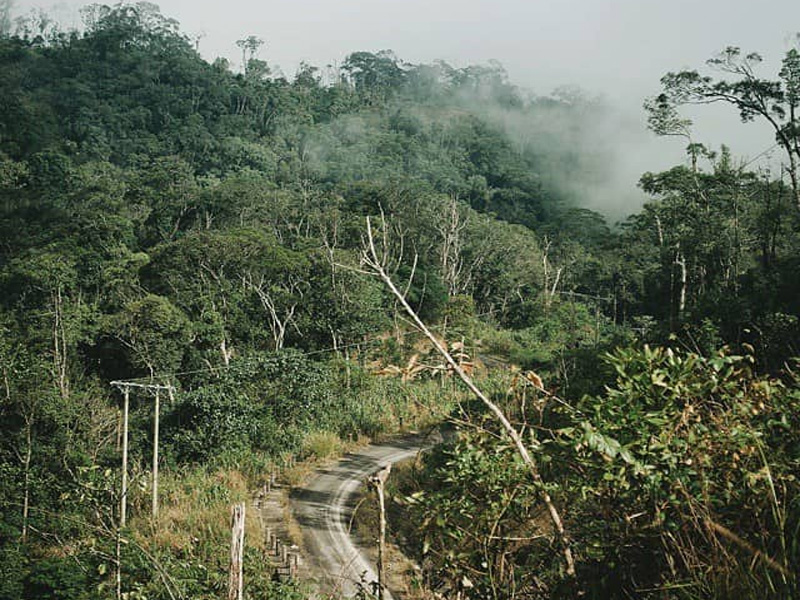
pixel 760 154
pixel 166 376
pixel 213 370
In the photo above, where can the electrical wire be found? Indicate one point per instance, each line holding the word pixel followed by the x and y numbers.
pixel 760 154
pixel 375 341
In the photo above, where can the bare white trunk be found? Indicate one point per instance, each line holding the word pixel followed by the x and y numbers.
pixel 280 317
pixel 451 231
pixel 59 344
pixel 27 477
pixel 546 265
pixel 374 262
pixel 556 282
pixel 227 353
pixel 680 260
pixel 659 231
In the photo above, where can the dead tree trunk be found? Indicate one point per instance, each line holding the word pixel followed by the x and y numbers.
pixel 281 314
pixel 373 261
pixel 451 230
pixel 59 343
pixel 26 463
pixel 680 260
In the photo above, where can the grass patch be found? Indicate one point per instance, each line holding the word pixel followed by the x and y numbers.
pixel 321 445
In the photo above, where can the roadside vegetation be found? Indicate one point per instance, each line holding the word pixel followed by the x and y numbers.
pixel 164 219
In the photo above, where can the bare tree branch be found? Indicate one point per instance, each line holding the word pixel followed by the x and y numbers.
pixel 375 262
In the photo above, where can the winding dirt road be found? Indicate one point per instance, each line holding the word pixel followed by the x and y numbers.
pixel 323 509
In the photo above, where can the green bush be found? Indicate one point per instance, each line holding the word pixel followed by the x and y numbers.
pixel 57 578
pixel 210 421
pixel 680 478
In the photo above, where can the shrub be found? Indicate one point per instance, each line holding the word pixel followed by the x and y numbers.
pixel 680 479
pixel 321 445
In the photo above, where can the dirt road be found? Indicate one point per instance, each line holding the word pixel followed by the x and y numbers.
pixel 323 510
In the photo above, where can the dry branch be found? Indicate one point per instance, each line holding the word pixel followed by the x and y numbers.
pixel 374 262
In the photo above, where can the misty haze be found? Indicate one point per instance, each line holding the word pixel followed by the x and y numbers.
pixel 400 300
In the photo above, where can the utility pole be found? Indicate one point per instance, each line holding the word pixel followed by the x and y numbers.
pixel 157 410
pixel 151 388
pixel 124 493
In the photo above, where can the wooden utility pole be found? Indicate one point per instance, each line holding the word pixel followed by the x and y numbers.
pixel 378 481
pixel 235 582
pixel 155 389
pixel 157 410
pixel 124 492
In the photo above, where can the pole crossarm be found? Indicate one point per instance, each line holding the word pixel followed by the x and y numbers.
pixel 145 386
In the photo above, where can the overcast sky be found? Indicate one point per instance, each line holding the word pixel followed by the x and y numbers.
pixel 616 48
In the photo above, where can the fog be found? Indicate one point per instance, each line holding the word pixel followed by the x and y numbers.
pixel 614 49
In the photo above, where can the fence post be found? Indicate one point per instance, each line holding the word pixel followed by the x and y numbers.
pixel 235 583
pixel 378 481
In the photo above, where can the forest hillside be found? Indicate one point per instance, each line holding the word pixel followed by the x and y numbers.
pixel 167 220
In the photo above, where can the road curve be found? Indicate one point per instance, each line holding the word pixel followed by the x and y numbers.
pixel 323 509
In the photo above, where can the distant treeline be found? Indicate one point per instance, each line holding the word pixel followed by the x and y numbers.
pixel 165 217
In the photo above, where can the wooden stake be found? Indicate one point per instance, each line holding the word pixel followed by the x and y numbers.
pixel 381 542
pixel 378 481
pixel 235 583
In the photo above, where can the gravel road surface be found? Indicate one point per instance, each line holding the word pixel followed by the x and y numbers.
pixel 323 509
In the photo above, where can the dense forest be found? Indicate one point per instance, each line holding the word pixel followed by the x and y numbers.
pixel 168 220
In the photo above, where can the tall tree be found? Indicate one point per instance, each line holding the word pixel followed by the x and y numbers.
pixel 776 101
pixel 6 7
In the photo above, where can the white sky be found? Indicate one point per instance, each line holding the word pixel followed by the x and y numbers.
pixel 619 47
pixel 615 48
